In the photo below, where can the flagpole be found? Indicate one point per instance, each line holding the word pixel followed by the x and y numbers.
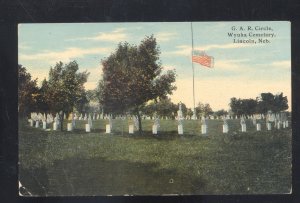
pixel 194 113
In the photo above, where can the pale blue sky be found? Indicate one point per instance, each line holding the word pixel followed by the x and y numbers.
pixel 241 70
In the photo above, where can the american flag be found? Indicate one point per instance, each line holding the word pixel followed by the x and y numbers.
pixel 203 59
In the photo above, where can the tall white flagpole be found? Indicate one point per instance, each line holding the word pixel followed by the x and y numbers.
pixel 194 110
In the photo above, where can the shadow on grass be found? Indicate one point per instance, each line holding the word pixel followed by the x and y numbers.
pixel 98 176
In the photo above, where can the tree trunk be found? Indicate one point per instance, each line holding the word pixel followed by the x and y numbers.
pixel 140 122
pixel 61 115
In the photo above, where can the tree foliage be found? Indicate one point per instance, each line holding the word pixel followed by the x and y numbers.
pixel 221 112
pixel 132 75
pixel 65 87
pixel 262 104
pixel 203 110
pixel 162 108
pixel 275 103
pixel 27 92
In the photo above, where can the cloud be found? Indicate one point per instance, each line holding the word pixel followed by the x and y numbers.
pixel 116 35
pixel 185 50
pixel 231 65
pixel 165 36
pixel 282 64
pixel 23 46
pixel 65 55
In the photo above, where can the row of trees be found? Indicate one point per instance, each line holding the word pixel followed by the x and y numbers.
pixel 166 108
pixel 62 92
pixel 261 105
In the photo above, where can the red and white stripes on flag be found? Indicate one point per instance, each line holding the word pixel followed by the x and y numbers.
pixel 203 59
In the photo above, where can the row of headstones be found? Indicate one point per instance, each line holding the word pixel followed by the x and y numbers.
pixel 155 127
pixel 43 117
pixel 285 124
pixel 71 126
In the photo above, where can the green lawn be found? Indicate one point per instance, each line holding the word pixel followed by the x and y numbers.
pixel 80 163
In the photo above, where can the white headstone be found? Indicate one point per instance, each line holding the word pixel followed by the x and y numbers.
pixel 180 129
pixel 69 127
pixel 107 128
pixel 54 126
pixel 269 126
pixel 31 122
pixel 44 125
pixel 37 124
pixel 203 129
pixel 287 124
pixel 225 128
pixel 244 129
pixel 154 129
pixel 131 129
pixel 258 127
pixel 283 124
pixel 87 128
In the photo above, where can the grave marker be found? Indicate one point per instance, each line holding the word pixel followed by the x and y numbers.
pixel 131 129
pixel 258 127
pixel 69 127
pixel 54 126
pixel 243 124
pixel 269 126
pixel 107 128
pixel 225 126
pixel 203 126
pixel 87 128
pixel 180 118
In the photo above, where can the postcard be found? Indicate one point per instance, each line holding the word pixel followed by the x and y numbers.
pixel 157 108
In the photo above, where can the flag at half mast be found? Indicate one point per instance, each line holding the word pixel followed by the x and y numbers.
pixel 203 59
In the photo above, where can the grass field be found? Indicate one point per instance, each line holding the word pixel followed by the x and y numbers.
pixel 80 163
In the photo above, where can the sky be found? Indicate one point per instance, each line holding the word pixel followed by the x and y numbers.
pixel 241 70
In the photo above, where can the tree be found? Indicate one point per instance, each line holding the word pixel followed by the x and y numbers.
pixel 42 104
pixel 166 108
pixel 221 112
pixel 189 112
pixel 132 75
pixel 65 88
pixel 243 106
pixel 27 92
pixel 262 104
pixel 275 103
pixel 203 110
